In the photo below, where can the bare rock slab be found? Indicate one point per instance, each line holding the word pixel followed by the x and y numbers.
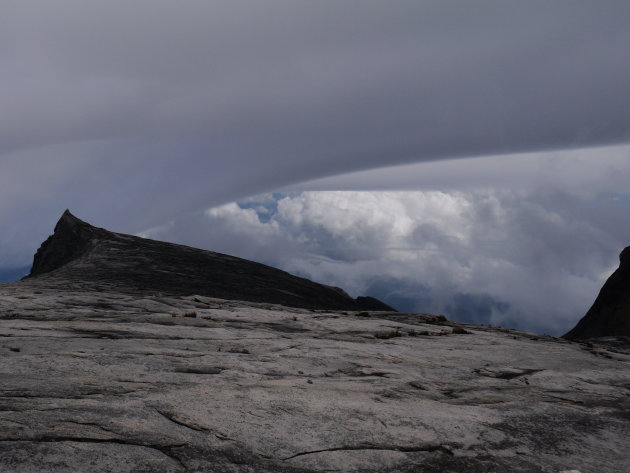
pixel 103 380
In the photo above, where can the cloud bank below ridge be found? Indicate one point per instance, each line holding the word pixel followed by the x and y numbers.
pixel 532 260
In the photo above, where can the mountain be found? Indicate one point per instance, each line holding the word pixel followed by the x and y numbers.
pixel 113 361
pixel 81 254
pixel 610 313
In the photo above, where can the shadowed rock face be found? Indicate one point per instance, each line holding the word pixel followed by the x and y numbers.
pixel 71 239
pixel 610 313
pixel 82 254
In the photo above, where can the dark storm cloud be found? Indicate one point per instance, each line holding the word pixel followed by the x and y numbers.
pixel 194 103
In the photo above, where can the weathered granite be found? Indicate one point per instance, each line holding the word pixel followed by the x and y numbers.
pixel 610 313
pixel 104 381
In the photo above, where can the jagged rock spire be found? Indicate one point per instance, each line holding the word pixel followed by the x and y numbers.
pixel 68 242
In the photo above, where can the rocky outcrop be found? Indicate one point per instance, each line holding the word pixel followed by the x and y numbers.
pixel 83 256
pixel 610 313
pixel 104 381
pixel 72 238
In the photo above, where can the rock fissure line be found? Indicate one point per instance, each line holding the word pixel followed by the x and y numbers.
pixel 91 424
pixel 218 435
pixel 178 422
pixel 410 449
pixel 99 391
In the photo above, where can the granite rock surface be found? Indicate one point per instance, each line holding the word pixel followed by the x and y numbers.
pixel 103 381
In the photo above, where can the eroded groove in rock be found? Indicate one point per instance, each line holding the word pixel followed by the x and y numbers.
pixel 173 419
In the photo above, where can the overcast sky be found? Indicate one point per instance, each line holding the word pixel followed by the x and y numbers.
pixel 135 114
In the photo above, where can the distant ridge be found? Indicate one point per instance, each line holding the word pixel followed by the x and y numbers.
pixel 610 313
pixel 81 253
pixel 13 274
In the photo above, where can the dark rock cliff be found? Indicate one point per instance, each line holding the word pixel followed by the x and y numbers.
pixel 71 239
pixel 610 313
pixel 80 252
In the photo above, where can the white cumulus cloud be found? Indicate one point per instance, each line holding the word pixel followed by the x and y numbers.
pixel 527 259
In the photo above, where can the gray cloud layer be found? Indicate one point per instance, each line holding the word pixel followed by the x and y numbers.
pixel 112 107
pixel 590 171
pixel 388 81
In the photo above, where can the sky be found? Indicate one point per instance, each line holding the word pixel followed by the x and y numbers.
pixel 462 140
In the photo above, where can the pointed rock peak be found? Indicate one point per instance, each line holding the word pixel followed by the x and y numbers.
pixel 69 220
pixel 624 258
pixel 70 240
